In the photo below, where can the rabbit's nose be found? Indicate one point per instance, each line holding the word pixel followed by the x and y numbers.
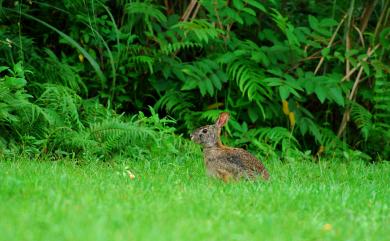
pixel 191 136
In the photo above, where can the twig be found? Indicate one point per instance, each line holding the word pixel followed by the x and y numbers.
pixel 347 112
pixel 315 55
pixel 367 14
pixel 195 12
pixel 369 53
pixel 360 35
pixel 356 84
pixel 330 44
pixel 348 36
pixel 347 48
pixel 188 11
pixel 381 18
pixel 217 15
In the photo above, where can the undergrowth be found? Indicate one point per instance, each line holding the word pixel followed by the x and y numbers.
pixel 59 123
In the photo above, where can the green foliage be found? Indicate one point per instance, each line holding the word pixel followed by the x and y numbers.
pixel 362 118
pixel 60 123
pixel 302 78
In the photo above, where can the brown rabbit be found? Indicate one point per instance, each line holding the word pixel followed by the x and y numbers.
pixel 226 162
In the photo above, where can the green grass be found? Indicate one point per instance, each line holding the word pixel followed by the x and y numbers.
pixel 65 201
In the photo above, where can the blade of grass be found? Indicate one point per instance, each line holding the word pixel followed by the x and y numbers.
pixel 110 54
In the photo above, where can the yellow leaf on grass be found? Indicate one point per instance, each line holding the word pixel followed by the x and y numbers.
pixel 327 227
pixel 130 174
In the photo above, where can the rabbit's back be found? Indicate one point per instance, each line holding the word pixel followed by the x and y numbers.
pixel 233 163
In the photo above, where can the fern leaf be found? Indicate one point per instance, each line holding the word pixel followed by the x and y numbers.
pixel 278 136
pixel 362 118
pixel 200 30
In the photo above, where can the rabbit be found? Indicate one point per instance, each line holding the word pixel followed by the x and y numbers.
pixel 226 163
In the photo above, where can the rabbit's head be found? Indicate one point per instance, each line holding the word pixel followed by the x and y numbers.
pixel 209 136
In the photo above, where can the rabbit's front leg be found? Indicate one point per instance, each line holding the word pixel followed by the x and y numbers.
pixel 224 175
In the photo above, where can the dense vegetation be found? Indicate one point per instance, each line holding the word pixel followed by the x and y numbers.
pixel 300 78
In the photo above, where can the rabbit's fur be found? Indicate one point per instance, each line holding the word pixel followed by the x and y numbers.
pixel 225 162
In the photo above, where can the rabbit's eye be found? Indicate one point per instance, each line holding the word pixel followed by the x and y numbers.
pixel 204 131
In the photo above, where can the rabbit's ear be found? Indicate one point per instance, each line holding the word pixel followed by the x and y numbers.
pixel 222 119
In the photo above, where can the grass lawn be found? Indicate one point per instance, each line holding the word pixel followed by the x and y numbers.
pixel 303 201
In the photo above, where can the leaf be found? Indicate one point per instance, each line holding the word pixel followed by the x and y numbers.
pixel 339 56
pixel 222 76
pixel 215 80
pixel 328 22
pixel 313 22
pixel 253 115
pixel 202 88
pixel 249 11
pixel 384 38
pixel 325 52
pixel 209 86
pixel 147 9
pixel 260 57
pixel 256 4
pixel 234 15
pixel 310 85
pixel 2 68
pixel 366 67
pixel 189 85
pixel 179 73
pixel 16 83
pixel 273 81
pixel 284 92
pixel 337 95
pixel 292 39
pixel 303 126
pixel 293 91
pixel 19 70
pixel 321 93
pixel 238 4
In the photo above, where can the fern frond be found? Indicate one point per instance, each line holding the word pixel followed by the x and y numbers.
pixel 248 79
pixel 278 136
pixel 69 141
pixel 175 102
pixel 210 115
pixel 203 74
pixel 330 140
pixel 150 13
pixel 243 66
pixel 115 134
pixel 178 46
pixel 382 102
pixel 64 101
pixel 91 111
pixel 307 124
pixel 362 118
pixel 141 61
pixel 56 72
pixel 200 30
